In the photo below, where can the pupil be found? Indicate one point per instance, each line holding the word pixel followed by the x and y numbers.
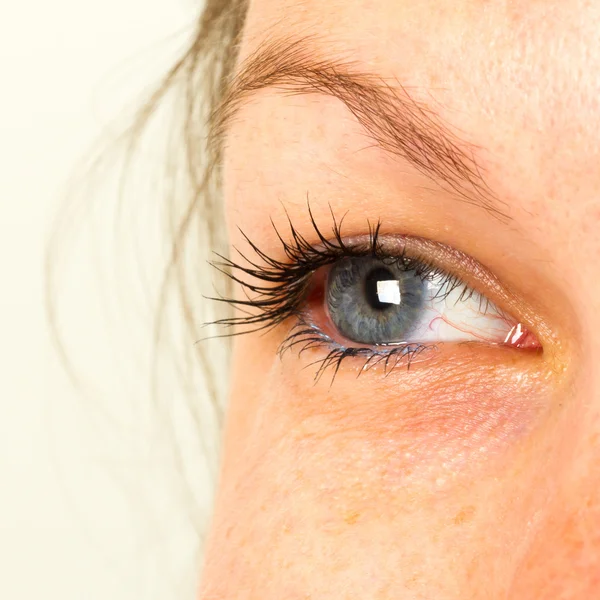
pixel 374 276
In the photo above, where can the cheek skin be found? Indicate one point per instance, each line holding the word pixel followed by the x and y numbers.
pixel 572 531
pixel 386 469
pixel 444 419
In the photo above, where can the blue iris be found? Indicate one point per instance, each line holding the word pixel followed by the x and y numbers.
pixel 375 302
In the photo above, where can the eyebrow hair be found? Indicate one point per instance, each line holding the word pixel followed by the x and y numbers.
pixel 397 122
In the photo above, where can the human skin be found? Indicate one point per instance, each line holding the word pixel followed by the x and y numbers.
pixel 475 474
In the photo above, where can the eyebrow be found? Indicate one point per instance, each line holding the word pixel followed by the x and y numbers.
pixel 399 124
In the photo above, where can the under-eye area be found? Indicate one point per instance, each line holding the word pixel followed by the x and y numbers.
pixel 383 299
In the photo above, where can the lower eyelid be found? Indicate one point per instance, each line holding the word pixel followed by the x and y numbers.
pixel 325 358
pixel 429 421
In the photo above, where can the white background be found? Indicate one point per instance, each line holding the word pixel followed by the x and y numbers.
pixel 87 507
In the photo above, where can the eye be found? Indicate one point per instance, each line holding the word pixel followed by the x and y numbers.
pixel 388 301
pixel 384 299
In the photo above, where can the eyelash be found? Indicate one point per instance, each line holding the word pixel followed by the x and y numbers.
pixel 276 290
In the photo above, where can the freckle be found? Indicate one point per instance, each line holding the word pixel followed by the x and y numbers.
pixel 352 517
pixel 464 515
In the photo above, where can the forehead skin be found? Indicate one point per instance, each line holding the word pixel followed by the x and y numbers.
pixel 520 81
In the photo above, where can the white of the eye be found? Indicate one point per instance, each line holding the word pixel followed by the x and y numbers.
pixel 388 291
pixel 456 316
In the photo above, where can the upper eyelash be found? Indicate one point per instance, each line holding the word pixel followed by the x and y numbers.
pixel 285 282
pixel 277 287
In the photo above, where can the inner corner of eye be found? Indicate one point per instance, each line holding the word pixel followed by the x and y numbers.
pixel 369 301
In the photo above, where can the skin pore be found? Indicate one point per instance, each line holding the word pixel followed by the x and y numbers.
pixel 473 474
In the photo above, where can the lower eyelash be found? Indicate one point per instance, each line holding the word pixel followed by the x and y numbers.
pixel 305 336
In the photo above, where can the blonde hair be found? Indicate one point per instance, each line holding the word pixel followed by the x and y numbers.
pixel 194 219
pixel 196 222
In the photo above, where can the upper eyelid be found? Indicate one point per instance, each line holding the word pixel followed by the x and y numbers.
pixel 425 250
pixel 298 247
